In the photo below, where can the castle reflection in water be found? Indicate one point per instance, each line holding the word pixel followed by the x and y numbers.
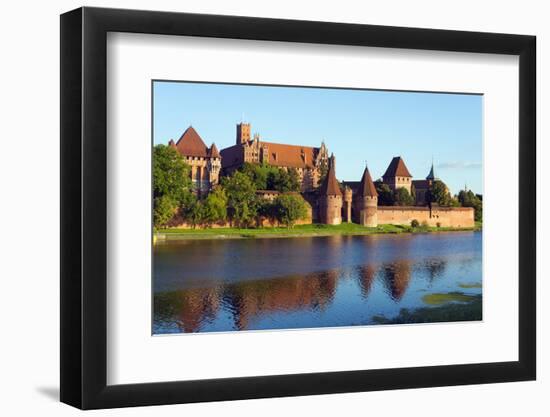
pixel 189 309
pixel 203 286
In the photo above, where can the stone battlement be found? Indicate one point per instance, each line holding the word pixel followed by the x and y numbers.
pixel 442 216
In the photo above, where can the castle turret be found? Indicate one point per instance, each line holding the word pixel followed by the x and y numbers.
pixel 366 202
pixel 348 198
pixel 214 164
pixel 330 197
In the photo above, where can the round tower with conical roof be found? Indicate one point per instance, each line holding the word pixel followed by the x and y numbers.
pixel 366 202
pixel 330 197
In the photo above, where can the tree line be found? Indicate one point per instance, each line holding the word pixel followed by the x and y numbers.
pixel 234 200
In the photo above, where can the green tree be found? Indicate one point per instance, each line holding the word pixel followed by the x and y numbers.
pixel 403 197
pixel 215 207
pixel 171 184
pixel 164 210
pixel 385 194
pixel 195 213
pixel 241 198
pixel 268 177
pixel 294 180
pixel 266 209
pixel 439 193
pixel 171 175
pixel 282 180
pixel 289 208
pixel 469 199
pixel 454 202
pixel 258 173
pixel 274 180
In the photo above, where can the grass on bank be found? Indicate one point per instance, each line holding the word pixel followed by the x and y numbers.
pixel 299 230
pixel 443 298
pixel 449 311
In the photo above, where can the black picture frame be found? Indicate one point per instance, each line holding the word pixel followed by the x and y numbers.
pixel 84 207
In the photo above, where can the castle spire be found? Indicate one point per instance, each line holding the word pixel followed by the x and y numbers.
pixel 366 186
pixel 431 175
pixel 330 186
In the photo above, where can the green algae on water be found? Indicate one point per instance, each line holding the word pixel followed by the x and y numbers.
pixel 443 298
pixel 469 285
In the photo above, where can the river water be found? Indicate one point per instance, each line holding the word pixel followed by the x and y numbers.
pixel 309 282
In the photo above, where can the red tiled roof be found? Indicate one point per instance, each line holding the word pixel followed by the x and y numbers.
pixel 191 144
pixel 366 186
pixel 213 151
pixel 397 168
pixel 330 185
pixel 280 155
pixel 293 156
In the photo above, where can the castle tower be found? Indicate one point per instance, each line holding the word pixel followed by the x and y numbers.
pixel 330 197
pixel 348 197
pixel 397 175
pixel 366 202
pixel 243 133
pixel 204 161
pixel 214 165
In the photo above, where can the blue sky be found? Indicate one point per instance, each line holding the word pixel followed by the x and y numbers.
pixel 357 125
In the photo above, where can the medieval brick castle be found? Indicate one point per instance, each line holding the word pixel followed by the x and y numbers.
pixel 205 162
pixel 330 201
pixel 307 161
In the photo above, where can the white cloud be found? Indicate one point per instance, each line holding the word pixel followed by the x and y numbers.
pixel 459 165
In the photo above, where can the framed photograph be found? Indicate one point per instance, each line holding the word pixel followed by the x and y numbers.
pixel 258 208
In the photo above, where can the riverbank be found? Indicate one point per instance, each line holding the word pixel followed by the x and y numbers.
pixel 454 306
pixel 306 230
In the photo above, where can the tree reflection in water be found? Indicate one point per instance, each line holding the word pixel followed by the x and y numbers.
pixel 358 278
pixel 248 300
pixel 365 276
pixel 435 268
pixel 397 276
